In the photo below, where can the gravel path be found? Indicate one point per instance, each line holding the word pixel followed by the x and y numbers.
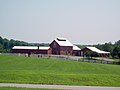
pixel 58 86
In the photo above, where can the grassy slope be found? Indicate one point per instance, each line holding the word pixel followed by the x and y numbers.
pixel 45 71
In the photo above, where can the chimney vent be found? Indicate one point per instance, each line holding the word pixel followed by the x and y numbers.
pixel 38 47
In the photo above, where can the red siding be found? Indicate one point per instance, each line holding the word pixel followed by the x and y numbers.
pixel 60 50
pixel 30 51
pixel 76 52
pixel 55 48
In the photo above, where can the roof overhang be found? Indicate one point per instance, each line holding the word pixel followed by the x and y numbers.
pixel 31 47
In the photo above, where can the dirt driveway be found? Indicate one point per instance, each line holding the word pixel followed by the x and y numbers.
pixel 60 87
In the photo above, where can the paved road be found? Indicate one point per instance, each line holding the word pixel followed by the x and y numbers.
pixel 58 86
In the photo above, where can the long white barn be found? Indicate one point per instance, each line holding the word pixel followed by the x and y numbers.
pixel 100 53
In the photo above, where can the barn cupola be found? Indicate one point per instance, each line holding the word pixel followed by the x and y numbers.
pixel 61 39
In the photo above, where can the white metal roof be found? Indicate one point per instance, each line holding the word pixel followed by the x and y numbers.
pixel 31 47
pixel 94 49
pixel 63 42
pixel 76 47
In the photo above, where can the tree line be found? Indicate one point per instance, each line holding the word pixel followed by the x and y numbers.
pixel 6 46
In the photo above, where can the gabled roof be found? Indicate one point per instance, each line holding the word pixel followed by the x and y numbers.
pixel 76 47
pixel 94 49
pixel 31 47
pixel 63 42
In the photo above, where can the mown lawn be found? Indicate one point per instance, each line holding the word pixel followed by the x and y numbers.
pixel 16 69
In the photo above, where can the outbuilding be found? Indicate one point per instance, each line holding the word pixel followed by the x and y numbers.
pixel 76 50
pixel 31 49
pixel 99 52
pixel 61 46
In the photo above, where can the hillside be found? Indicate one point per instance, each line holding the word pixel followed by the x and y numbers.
pixel 18 69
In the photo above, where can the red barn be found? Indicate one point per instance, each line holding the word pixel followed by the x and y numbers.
pixel 76 50
pixel 61 46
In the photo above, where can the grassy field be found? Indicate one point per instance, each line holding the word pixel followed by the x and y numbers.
pixel 16 69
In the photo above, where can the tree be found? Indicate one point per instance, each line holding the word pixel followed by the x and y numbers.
pixel 1 48
pixel 1 40
pixel 117 43
pixel 11 43
pixel 6 43
pixel 119 54
pixel 108 47
pixel 91 54
pixel 116 52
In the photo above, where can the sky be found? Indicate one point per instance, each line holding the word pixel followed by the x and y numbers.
pixel 41 21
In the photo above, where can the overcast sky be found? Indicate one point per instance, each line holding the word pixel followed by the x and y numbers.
pixel 41 21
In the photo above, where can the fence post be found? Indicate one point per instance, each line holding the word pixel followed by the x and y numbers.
pixel 107 62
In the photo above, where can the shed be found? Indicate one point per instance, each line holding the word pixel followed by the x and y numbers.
pixel 31 49
pixel 96 50
pixel 76 50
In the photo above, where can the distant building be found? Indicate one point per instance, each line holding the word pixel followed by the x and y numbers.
pixel 31 49
pixel 62 46
pixel 99 52
pixel 59 46
pixel 76 50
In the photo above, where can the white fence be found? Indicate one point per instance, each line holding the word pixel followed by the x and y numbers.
pixel 65 57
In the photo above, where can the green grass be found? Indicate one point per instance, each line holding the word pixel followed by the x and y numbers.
pixel 16 69
pixel 17 88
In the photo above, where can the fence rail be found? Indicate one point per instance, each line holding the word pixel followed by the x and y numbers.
pixel 100 61
pixel 66 57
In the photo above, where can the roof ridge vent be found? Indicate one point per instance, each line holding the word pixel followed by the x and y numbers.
pixel 61 39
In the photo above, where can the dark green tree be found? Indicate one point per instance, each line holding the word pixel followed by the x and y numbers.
pixel 11 43
pixel 6 43
pixel 108 47
pixel 116 52
pixel 1 48
pixel 91 54
pixel 117 43
pixel 1 40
